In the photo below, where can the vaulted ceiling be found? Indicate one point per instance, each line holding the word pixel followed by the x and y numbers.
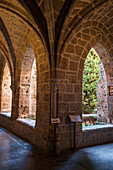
pixel 52 20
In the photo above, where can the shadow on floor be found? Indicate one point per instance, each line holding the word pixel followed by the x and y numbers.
pixel 16 154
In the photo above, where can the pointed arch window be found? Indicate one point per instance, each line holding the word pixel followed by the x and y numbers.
pixel 6 97
pixel 94 91
pixel 28 88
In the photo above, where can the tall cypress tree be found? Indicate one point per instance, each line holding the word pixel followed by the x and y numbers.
pixel 90 79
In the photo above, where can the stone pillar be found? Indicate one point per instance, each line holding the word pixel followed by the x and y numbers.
pixel 54 85
pixel 0 91
pixel 102 96
pixel 15 101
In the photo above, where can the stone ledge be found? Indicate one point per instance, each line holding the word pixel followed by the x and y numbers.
pixel 96 127
pixel 28 122
pixel 7 114
pixel 24 121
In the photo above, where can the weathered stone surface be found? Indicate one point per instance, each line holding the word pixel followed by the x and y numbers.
pixel 64 63
pixel 73 66
pixel 86 36
pixel 69 88
pixel 70 48
pixel 43 67
pixel 59 41
pixel 74 41
pixel 61 74
pixel 6 95
pixel 72 79
pixel 63 107
pixel 102 98
pixel 69 98
pixel 81 64
pixel 81 42
pixel 77 88
pixel 79 50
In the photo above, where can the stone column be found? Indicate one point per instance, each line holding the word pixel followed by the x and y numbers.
pixel 54 85
pixel 102 96
pixel 15 101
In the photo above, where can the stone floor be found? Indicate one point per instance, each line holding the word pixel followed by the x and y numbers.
pixel 16 154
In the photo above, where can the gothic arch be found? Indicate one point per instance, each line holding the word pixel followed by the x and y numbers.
pixel 9 55
pixel 26 78
pixel 5 84
pixel 77 22
pixel 43 74
pixel 25 15
pixel 73 55
pixel 6 93
pixel 86 36
pixel 5 54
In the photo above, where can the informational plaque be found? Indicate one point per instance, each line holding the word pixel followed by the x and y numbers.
pixel 110 90
pixel 75 118
pixel 55 120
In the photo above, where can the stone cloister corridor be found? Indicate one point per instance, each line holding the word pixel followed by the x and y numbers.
pixel 16 154
pixel 43 48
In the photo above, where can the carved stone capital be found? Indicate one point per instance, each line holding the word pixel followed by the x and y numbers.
pixel 54 83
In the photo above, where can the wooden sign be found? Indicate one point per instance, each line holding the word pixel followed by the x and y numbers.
pixel 110 90
pixel 75 118
pixel 55 120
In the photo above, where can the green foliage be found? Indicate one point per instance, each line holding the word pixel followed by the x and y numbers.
pixel 90 79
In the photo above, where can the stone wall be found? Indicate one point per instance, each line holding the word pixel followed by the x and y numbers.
pixel 33 90
pixel 70 73
pixel 60 34
pixel 83 138
pixel 102 96
pixel 25 101
pixel 6 97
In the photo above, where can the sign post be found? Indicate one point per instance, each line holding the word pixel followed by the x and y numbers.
pixel 74 119
pixel 55 121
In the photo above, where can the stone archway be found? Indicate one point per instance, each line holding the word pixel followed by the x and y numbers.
pixel 94 91
pixel 28 79
pixel 6 97
pixel 70 71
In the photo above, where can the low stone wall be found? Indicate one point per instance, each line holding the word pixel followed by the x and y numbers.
pixel 21 129
pixel 84 138
pixel 95 137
